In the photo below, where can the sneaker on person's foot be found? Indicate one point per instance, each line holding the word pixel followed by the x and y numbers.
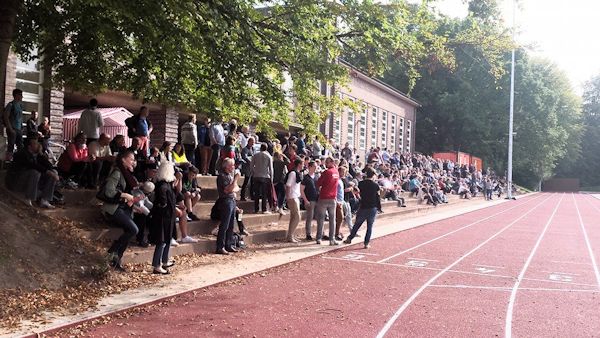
pixel 325 238
pixel 339 237
pixel 27 202
pixel 292 240
pixel 45 204
pixel 193 217
pixel 309 238
pixel 188 239
pixel 334 242
pixel 245 232
pixel 318 241
pixel 347 241
pixel 266 212
pixel 282 212
pixel 168 264
pixel 174 242
pixel 160 271
pixel 188 218
pixel 367 246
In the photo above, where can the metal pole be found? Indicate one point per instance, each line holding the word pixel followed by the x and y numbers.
pixel 512 104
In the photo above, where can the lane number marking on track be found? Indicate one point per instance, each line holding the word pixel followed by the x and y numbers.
pixel 560 277
pixel 417 264
pixel 484 270
pixel 353 256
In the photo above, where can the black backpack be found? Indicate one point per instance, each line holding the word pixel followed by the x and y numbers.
pixel 236 241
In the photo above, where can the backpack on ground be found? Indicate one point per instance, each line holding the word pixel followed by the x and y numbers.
pixel 236 241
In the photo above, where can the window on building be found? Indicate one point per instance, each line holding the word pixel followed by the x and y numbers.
pixel 384 115
pixel 408 135
pixel 401 134
pixel 337 128
pixel 362 140
pixel 351 122
pixel 393 133
pixel 374 127
pixel 29 80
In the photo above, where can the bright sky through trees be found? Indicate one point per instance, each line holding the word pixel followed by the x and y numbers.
pixel 565 32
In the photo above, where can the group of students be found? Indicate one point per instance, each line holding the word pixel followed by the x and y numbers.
pixel 145 187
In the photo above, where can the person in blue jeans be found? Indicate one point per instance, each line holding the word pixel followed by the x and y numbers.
pixel 117 204
pixel 13 121
pixel 227 187
pixel 370 202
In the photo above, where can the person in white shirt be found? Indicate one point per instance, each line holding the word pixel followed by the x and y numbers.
pixel 90 122
pixel 189 138
pixel 104 158
pixel 292 194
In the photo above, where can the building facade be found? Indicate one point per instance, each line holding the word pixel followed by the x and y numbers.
pixel 385 118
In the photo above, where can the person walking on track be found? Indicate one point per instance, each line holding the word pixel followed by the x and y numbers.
pixel 369 204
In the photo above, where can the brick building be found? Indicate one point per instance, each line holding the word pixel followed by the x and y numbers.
pixel 386 120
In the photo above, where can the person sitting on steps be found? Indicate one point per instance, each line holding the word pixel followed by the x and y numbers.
pixel 32 175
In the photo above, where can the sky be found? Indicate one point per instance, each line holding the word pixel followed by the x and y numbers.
pixel 566 32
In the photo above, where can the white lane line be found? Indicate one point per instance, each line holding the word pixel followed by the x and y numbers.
pixel 587 243
pixel 504 288
pixel 404 306
pixel 561 273
pixel 489 266
pixel 455 231
pixel 513 294
pixel 364 253
pixel 570 263
pixel 457 271
pixel 423 259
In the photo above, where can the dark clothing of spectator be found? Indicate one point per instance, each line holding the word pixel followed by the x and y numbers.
pixel 29 174
pixel 162 222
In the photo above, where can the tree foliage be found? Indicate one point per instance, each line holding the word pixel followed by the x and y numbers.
pixel 467 108
pixel 222 57
pixel 586 166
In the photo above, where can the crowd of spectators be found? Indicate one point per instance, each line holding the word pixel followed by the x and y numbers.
pixel 151 192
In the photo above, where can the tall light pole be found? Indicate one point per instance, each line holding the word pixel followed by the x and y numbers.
pixel 512 107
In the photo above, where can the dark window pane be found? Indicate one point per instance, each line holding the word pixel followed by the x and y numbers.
pixel 32 88
pixel 28 75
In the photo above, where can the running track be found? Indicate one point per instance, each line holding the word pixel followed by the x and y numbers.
pixel 527 268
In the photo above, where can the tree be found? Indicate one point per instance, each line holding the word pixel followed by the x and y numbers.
pixel 225 57
pixel 585 166
pixel 466 108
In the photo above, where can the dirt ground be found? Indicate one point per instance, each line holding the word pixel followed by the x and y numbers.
pixel 46 267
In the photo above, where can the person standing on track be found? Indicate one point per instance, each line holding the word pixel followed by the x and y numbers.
pixel 327 184
pixel 308 190
pixel 292 193
pixel 227 187
pixel 369 204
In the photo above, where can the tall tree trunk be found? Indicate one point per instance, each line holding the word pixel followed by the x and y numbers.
pixel 8 17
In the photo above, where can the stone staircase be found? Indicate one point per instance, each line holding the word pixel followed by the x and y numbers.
pixel 82 207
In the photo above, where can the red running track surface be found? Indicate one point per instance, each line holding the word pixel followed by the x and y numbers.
pixel 526 268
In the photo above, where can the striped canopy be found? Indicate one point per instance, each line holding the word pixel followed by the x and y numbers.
pixel 114 122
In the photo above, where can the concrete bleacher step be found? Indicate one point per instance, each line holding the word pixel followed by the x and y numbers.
pixel 264 228
pixel 260 234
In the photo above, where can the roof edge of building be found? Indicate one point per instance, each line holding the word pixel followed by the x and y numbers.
pixel 380 84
